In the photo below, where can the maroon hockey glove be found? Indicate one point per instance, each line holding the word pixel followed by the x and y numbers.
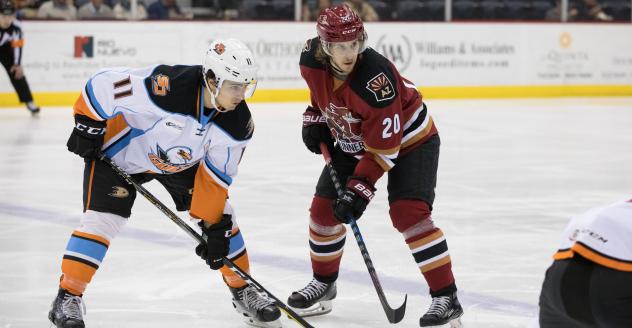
pixel 217 240
pixel 354 200
pixel 86 138
pixel 315 130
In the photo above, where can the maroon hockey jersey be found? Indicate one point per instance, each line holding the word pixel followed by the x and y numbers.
pixel 375 114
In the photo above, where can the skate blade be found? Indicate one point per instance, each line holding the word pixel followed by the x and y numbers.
pixel 454 323
pixel 254 322
pixel 320 308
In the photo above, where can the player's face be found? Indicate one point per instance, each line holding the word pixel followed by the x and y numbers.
pixel 5 20
pixel 344 54
pixel 231 94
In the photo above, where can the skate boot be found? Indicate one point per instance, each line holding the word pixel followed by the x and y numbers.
pixel 67 310
pixel 443 310
pixel 313 299
pixel 32 108
pixel 258 310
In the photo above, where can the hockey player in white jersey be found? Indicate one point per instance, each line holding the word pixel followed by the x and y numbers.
pixel 186 127
pixel 590 282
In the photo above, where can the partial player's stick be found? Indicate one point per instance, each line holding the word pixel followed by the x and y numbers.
pixel 393 315
pixel 177 220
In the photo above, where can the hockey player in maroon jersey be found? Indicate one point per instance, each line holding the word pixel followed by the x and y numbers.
pixel 378 123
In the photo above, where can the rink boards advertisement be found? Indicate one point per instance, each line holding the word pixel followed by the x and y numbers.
pixel 444 60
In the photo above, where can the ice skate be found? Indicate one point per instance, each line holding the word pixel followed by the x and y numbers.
pixel 445 311
pixel 67 310
pixel 313 299
pixel 32 108
pixel 258 310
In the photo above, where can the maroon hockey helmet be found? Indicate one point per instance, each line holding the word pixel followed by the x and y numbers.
pixel 339 24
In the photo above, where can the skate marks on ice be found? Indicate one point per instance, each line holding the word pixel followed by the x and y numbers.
pixel 260 258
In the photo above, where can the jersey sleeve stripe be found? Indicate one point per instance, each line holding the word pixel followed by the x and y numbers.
pixel 82 108
pixel 122 142
pixel 384 162
pixel 421 131
pixel 116 128
pixel 94 103
pixel 221 178
pixel 415 117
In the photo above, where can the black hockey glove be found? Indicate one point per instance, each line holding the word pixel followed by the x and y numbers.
pixel 315 130
pixel 354 200
pixel 86 138
pixel 217 240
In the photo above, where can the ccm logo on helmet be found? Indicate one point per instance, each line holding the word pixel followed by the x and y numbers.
pixel 89 130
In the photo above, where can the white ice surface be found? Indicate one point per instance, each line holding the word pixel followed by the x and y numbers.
pixel 511 174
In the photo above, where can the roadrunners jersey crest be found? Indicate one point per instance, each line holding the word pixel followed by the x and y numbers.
pixel 157 123
pixel 345 128
pixel 172 160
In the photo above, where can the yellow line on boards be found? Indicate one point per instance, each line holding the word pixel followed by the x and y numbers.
pixel 302 95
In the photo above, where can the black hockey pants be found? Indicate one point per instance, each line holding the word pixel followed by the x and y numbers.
pixel 578 293
pixel 20 85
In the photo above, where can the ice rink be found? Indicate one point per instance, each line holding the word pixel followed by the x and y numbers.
pixel 511 174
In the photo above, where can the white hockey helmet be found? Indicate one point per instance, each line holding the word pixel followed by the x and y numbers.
pixel 230 60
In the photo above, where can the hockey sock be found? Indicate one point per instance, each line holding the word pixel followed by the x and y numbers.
pixel 430 251
pixel 326 253
pixel 238 254
pixel 82 258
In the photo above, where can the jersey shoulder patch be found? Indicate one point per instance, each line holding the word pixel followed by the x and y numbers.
pixel 237 123
pixel 308 55
pixel 374 80
pixel 175 88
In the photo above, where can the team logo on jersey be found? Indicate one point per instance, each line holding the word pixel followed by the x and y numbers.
pixel 381 87
pixel 160 84
pixel 345 128
pixel 219 48
pixel 174 124
pixel 119 192
pixel 172 160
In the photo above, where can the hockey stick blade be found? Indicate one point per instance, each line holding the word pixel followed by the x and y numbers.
pixel 178 221
pixel 393 315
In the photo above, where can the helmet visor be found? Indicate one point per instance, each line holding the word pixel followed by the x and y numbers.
pixel 235 89
pixel 337 49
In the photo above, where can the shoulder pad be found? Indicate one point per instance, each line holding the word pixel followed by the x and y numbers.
pixel 175 88
pixel 308 55
pixel 237 123
pixel 374 80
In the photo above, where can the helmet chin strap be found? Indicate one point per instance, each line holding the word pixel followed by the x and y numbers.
pixel 213 96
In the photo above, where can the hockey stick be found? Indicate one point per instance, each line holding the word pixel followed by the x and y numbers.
pixel 393 315
pixel 178 221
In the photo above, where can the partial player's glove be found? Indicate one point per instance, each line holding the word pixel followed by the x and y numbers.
pixel 315 130
pixel 217 240
pixel 87 137
pixel 354 200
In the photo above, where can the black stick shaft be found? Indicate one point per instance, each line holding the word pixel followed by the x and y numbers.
pixel 393 315
pixel 178 221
